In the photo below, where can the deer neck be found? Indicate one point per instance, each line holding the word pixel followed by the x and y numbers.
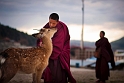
pixel 47 42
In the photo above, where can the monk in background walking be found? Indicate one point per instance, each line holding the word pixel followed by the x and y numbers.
pixel 106 56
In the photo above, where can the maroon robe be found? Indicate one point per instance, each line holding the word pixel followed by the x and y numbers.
pixel 106 55
pixel 58 69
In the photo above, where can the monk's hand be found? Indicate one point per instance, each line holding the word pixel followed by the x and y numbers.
pixel 113 65
pixel 42 45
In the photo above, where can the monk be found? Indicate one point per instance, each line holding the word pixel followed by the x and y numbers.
pixel 58 70
pixel 106 56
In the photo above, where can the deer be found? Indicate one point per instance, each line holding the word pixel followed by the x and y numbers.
pixel 27 60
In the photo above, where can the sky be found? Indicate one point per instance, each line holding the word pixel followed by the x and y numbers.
pixel 95 16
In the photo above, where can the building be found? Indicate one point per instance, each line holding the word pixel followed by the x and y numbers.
pixel 77 53
pixel 119 54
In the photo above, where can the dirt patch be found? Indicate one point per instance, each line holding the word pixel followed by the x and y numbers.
pixel 80 74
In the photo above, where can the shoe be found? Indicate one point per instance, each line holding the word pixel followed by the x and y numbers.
pixel 101 82
pixel 98 81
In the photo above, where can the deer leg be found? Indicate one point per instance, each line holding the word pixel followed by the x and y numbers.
pixel 34 77
pixel 39 75
pixel 8 72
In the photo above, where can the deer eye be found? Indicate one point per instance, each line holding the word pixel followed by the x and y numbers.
pixel 48 30
pixel 41 30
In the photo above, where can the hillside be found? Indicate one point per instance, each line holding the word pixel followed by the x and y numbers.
pixel 118 44
pixel 25 39
pixel 17 36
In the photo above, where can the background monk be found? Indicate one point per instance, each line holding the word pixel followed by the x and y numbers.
pixel 106 55
pixel 58 70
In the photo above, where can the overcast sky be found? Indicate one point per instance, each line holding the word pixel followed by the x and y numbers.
pixel 107 15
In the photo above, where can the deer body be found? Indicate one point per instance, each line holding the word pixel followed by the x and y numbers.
pixel 29 60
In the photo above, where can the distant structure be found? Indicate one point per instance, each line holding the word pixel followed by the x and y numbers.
pixel 119 54
pixel 88 52
pixel 75 53
pixel 82 41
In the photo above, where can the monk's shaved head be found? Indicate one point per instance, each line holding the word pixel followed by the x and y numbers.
pixel 102 34
pixel 54 16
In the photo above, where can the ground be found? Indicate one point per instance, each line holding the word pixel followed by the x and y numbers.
pixel 82 75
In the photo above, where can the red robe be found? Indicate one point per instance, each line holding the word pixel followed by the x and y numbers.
pixel 61 52
pixel 106 55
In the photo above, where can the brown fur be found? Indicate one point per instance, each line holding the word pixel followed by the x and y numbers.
pixel 29 60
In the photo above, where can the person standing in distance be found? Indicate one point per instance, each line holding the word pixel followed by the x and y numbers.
pixel 106 56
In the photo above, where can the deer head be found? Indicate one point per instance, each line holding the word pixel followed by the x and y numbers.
pixel 49 32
